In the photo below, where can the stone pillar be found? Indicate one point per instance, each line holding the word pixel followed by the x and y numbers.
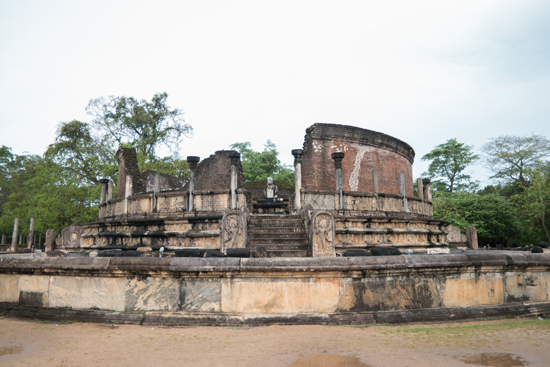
pixel 338 156
pixel 127 193
pixel 14 235
pixel 30 238
pixel 427 190
pixel 297 153
pixel 104 182
pixel 3 238
pixel 50 240
pixel 420 188
pixel 375 181
pixel 401 178
pixel 193 163
pixel 235 158
pixel 109 190
pixel 471 234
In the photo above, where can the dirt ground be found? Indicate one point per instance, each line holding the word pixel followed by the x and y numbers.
pixel 507 343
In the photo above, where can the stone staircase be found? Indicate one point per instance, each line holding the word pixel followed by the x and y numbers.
pixel 281 234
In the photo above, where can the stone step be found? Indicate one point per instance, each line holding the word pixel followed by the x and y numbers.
pixel 286 253
pixel 275 216
pixel 283 241
pixel 278 235
pixel 281 247
pixel 275 223
pixel 277 230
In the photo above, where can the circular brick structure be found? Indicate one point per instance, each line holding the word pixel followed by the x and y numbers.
pixel 365 151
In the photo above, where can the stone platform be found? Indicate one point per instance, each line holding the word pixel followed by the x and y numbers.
pixel 230 291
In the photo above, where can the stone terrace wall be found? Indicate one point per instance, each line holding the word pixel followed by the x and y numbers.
pixel 230 291
pixel 364 150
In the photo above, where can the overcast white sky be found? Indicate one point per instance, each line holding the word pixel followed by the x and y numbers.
pixel 422 71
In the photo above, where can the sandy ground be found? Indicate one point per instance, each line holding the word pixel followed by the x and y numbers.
pixel 505 343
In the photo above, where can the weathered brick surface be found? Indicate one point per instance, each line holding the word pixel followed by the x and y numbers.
pixel 128 165
pixel 214 173
pixel 165 182
pixel 364 150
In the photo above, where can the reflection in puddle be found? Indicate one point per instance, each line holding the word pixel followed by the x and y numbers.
pixel 10 350
pixel 493 360
pixel 328 360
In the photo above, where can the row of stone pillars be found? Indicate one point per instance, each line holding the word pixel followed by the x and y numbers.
pixel 30 238
pixel 423 185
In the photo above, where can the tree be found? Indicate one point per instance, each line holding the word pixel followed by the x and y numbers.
pixel 78 151
pixel 510 157
pixel 144 125
pixel 534 204
pixel 261 165
pixel 42 189
pixel 448 162
pixel 88 149
pixel 494 217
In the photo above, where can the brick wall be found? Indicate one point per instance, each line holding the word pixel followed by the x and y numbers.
pixel 364 150
pixel 128 165
pixel 214 173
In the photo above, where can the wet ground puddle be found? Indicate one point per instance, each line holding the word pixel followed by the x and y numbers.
pixel 493 360
pixel 4 351
pixel 328 360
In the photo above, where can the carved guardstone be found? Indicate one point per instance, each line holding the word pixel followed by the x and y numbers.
pixel 233 230
pixel 321 235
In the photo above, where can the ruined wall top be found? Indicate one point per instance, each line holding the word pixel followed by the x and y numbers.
pixel 214 173
pixel 361 136
pixel 369 161
pixel 128 165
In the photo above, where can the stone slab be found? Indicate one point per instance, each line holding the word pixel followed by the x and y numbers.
pixel 88 292
pixel 267 296
pixel 9 287
pixel 183 264
pixel 34 283
pixel 201 296
pixel 473 292
pixel 295 264
pixel 153 294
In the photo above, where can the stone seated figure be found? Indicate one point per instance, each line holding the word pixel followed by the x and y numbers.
pixel 270 203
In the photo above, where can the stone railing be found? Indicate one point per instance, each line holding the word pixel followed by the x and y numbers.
pixel 168 203
pixel 361 202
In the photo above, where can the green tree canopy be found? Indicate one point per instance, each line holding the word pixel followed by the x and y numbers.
pixel 533 204
pixel 510 157
pixel 494 217
pixel 40 188
pixel 144 125
pixel 88 149
pixel 261 165
pixel 448 161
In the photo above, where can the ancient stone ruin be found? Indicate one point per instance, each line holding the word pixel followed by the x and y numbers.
pixel 212 250
pixel 354 190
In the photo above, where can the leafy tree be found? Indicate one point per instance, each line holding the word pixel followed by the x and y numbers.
pixel 534 204
pixel 78 151
pixel 7 159
pixel 494 217
pixel 88 149
pixel 261 165
pixel 144 125
pixel 510 157
pixel 40 188
pixel 448 161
